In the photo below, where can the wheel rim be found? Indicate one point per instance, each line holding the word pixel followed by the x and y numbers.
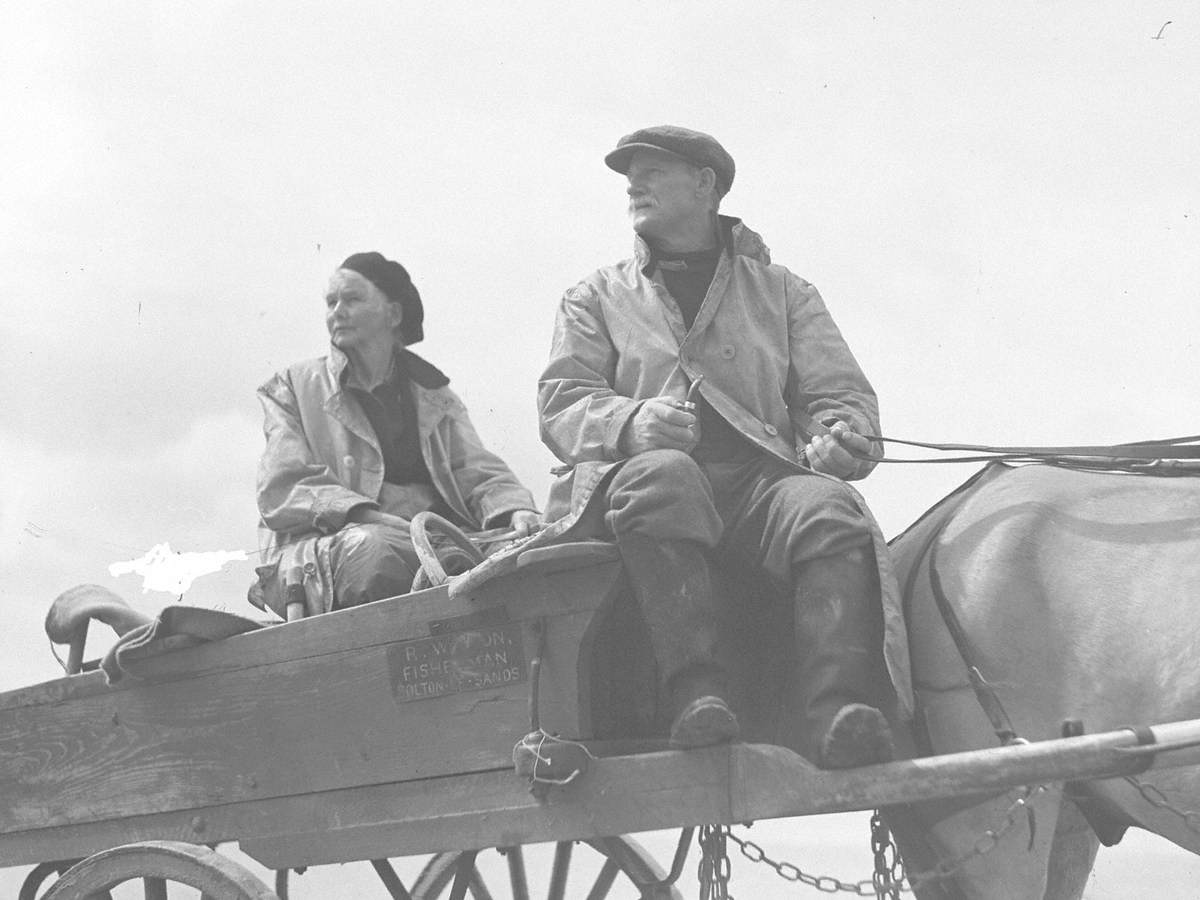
pixel 622 859
pixel 34 880
pixel 158 863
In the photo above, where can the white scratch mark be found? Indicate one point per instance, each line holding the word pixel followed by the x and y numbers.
pixel 162 569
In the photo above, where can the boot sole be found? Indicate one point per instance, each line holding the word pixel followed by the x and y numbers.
pixel 704 722
pixel 858 736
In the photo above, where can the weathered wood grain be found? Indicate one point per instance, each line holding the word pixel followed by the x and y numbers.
pixel 618 795
pixel 621 795
pixel 311 706
pixel 481 809
pixel 372 623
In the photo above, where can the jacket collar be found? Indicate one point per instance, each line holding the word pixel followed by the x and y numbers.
pixel 421 372
pixel 737 240
pixel 426 374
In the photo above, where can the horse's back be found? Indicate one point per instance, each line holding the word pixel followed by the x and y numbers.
pixel 1079 591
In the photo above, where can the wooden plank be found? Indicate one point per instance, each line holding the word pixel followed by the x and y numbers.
pixel 730 784
pixel 306 718
pixel 362 626
pixel 347 629
pixel 458 812
pixel 313 724
pixel 622 795
pixel 619 795
pixel 768 783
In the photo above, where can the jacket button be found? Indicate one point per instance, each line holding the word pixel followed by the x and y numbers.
pixel 728 351
pixel 770 429
pixel 349 462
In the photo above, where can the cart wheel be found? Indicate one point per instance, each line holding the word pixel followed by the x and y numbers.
pixel 447 872
pixel 33 881
pixel 158 863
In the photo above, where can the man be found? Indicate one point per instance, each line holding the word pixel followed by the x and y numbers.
pixel 359 442
pixel 754 470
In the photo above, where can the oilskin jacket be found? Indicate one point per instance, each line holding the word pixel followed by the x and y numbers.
pixel 322 459
pixel 771 360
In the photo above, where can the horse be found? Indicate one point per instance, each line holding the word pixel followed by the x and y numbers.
pixel 1077 593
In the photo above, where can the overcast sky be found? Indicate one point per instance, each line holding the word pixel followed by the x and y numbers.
pixel 1000 206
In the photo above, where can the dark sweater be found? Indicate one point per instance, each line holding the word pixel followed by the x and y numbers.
pixel 687 277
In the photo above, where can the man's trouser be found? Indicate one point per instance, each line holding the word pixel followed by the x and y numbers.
pixel 806 533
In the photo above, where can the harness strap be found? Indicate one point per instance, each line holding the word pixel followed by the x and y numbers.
pixel 988 699
pixel 985 694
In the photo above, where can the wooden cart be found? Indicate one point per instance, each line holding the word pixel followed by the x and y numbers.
pixel 389 730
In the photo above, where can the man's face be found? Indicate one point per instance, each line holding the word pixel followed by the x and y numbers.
pixel 665 194
pixel 357 313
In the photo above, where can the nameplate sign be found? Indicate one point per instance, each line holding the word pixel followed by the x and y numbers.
pixel 470 660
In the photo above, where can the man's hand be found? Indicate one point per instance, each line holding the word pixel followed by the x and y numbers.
pixel 525 522
pixel 831 454
pixel 661 425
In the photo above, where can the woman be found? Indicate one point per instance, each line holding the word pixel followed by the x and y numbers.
pixel 360 441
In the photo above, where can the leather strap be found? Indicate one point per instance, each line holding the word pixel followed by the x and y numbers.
pixel 1179 448
pixel 988 699
pixel 985 694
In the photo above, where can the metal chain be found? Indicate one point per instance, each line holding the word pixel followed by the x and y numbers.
pixel 985 843
pixel 713 873
pixel 788 872
pixel 1159 800
pixel 889 878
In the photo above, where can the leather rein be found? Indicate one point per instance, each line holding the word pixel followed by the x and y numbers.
pixel 1177 455
pixel 1172 456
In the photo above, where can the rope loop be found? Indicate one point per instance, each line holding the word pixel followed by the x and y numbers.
pixel 432 569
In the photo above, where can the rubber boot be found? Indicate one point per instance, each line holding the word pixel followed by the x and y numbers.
pixel 831 712
pixel 670 580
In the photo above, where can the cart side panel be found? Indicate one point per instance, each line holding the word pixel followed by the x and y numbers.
pixel 417 687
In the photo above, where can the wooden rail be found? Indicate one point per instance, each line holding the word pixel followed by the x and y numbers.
pixel 730 784
pixel 618 795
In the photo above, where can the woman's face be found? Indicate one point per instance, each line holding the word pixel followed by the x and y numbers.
pixel 358 314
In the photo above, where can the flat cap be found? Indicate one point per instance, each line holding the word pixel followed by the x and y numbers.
pixel 392 278
pixel 696 147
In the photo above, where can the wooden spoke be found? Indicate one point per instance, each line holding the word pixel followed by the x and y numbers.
pixel 158 863
pixel 604 881
pixel 620 858
pixel 479 890
pixel 639 867
pixel 517 879
pixel 558 875
pixel 464 870
pixel 391 881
